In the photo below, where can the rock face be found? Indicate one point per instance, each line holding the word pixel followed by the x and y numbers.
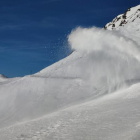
pixel 130 16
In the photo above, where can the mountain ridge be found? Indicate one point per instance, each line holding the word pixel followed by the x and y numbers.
pixel 122 20
pixel 3 76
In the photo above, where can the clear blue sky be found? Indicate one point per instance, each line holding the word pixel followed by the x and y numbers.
pixel 33 33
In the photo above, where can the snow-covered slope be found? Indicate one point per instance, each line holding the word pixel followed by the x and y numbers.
pixel 129 17
pixel 3 78
pixel 91 94
pixel 128 24
pixel 112 117
pixel 84 75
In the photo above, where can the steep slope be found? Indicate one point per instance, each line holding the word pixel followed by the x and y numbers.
pixel 96 68
pixel 84 96
pixel 130 16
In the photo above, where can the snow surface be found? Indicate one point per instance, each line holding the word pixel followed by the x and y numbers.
pixel 92 94
pixel 2 78
pixel 112 117
pixel 127 18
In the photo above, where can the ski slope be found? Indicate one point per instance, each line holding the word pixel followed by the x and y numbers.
pixel 94 93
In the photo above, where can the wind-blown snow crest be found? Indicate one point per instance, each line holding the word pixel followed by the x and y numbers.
pixel 96 39
pixel 115 58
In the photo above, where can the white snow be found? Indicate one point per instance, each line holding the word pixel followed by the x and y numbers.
pixel 127 18
pixel 112 117
pixel 92 94
pixel 2 78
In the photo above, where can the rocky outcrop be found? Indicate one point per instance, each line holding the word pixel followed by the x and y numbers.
pixel 122 20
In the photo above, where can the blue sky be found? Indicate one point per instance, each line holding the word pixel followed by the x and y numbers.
pixel 33 33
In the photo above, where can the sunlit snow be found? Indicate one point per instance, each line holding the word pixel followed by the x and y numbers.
pixel 93 94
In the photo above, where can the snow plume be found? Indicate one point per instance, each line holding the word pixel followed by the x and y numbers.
pixel 111 60
pixel 97 39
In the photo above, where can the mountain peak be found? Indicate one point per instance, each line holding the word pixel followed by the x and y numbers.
pixel 3 76
pixel 130 16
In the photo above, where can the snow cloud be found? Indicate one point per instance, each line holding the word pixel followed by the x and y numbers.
pixel 96 39
pixel 110 58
